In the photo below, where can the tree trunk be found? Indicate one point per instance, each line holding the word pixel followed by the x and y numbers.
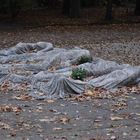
pixel 52 3
pixel 75 8
pixel 109 10
pixel 14 8
pixel 66 7
pixel 137 9
pixel 71 8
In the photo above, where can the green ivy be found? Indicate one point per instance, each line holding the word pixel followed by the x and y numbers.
pixel 78 74
pixel 84 59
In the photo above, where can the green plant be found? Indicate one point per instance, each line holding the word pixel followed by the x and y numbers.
pixel 84 59
pixel 78 74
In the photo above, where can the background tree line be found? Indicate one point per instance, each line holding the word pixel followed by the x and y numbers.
pixel 70 8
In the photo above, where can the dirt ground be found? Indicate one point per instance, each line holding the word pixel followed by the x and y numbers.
pixel 116 117
pixel 96 38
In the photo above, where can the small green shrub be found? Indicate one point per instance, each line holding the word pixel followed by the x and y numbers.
pixel 84 59
pixel 78 74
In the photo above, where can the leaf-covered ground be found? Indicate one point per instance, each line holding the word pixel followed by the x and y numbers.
pixel 97 115
pixel 96 38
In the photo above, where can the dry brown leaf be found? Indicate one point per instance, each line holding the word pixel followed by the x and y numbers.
pixel 89 93
pixel 22 97
pixel 57 128
pixel 50 101
pixel 53 110
pixel 115 118
pixel 13 134
pixel 4 126
pixel 10 108
pixel 64 120
pixel 44 120
pixel 17 109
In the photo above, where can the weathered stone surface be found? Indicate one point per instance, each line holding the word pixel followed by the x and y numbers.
pixel 100 67
pixel 47 70
pixel 117 78
pixel 58 87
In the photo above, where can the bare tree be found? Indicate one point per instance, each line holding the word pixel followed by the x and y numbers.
pixel 71 8
pixel 109 10
pixel 137 9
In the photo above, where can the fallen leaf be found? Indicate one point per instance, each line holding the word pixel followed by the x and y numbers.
pixel 57 128
pixel 115 118
pixel 10 108
pixel 4 126
pixel 64 120
pixel 17 109
pixel 113 138
pixel 138 114
pixel 13 134
pixel 89 93
pixel 53 110
pixel 22 97
pixel 50 101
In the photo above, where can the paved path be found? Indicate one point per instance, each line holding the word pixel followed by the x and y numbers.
pixel 116 118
